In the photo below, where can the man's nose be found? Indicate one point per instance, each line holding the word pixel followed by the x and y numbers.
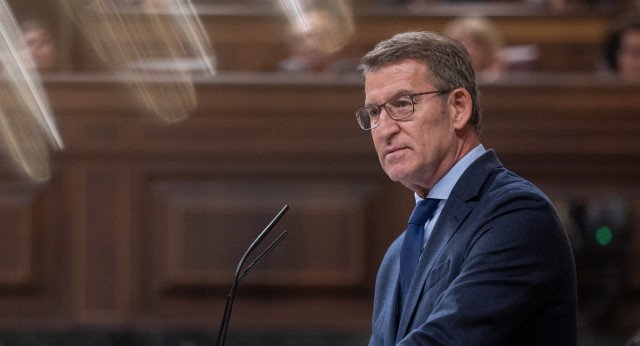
pixel 385 120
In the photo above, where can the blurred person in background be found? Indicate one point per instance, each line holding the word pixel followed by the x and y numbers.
pixel 483 41
pixel 622 48
pixel 40 43
pixel 311 48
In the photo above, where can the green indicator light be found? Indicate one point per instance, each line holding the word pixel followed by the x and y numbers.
pixel 604 235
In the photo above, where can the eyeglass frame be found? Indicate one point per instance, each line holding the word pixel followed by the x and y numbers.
pixel 384 105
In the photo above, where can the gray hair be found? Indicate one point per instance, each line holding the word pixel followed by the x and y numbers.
pixel 448 63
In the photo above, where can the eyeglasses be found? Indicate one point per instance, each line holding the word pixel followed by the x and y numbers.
pixel 398 108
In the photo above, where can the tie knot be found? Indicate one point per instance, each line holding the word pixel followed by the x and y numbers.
pixel 423 211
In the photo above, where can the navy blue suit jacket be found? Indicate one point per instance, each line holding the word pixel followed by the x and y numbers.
pixel 497 270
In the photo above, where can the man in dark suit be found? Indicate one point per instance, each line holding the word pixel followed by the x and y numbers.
pixel 489 263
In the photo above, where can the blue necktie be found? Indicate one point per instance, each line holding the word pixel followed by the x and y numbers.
pixel 412 245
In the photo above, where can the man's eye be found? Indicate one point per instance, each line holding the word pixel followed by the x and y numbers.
pixel 401 102
pixel 374 112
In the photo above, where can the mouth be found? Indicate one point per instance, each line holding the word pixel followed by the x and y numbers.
pixel 392 151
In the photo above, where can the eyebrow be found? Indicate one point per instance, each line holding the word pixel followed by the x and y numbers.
pixel 396 94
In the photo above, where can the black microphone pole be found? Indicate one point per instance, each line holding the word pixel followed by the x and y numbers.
pixel 224 325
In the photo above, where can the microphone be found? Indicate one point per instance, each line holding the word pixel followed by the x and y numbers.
pixel 224 325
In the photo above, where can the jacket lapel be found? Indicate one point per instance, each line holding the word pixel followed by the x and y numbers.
pixel 455 212
pixel 450 220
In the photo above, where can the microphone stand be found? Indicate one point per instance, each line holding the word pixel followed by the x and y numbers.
pixel 224 325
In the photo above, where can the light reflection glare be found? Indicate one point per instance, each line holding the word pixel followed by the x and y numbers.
pixel 324 25
pixel 27 125
pixel 156 46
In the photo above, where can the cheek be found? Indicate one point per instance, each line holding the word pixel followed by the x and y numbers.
pixel 434 144
pixel 378 143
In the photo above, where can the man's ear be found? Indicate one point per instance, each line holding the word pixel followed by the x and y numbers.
pixel 460 106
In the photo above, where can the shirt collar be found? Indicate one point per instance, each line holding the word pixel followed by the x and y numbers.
pixel 442 189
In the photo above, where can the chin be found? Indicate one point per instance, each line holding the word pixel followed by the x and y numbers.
pixel 397 173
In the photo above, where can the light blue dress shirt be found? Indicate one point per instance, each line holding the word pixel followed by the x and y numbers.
pixel 442 189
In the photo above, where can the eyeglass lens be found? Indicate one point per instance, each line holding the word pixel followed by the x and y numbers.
pixel 398 108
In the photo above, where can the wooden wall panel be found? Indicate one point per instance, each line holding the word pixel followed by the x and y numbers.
pixel 208 225
pixel 101 232
pixel 21 228
pixel 32 271
pixel 534 120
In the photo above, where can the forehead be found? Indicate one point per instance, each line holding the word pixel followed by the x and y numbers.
pixel 402 77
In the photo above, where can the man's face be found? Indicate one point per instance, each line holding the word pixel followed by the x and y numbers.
pixel 41 47
pixel 629 56
pixel 419 150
